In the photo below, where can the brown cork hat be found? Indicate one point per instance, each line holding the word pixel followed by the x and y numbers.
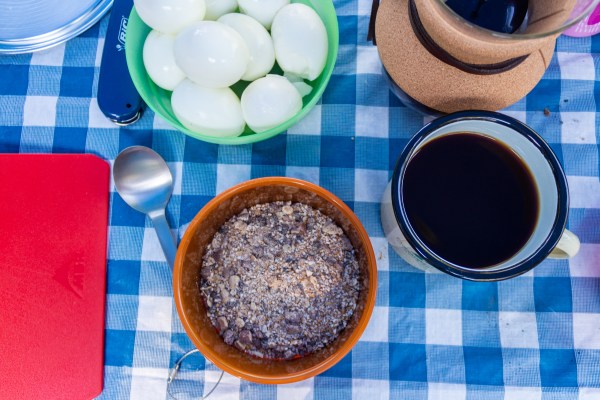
pixel 442 87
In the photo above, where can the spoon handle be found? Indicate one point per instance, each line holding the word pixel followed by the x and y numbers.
pixel 165 237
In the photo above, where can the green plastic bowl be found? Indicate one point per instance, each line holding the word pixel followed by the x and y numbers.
pixel 159 100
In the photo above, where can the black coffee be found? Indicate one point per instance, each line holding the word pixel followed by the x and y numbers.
pixel 505 16
pixel 470 199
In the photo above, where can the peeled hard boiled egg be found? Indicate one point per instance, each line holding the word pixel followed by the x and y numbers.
pixel 300 40
pixel 216 8
pixel 211 54
pixel 170 16
pixel 259 42
pixel 270 101
pixel 262 10
pixel 159 60
pixel 303 88
pixel 214 112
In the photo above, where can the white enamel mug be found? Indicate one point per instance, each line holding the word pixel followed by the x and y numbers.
pixel 549 238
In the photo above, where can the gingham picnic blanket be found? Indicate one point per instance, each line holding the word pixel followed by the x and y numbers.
pixel 431 336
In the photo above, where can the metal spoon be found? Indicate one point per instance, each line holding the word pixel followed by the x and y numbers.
pixel 144 181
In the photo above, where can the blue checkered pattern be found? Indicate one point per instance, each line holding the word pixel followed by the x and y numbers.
pixel 431 336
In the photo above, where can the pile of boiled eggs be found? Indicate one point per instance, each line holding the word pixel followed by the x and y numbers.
pixel 198 49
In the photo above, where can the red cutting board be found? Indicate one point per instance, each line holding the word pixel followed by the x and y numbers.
pixel 53 229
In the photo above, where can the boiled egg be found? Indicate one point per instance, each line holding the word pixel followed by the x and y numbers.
pixel 262 10
pixel 303 88
pixel 259 42
pixel 300 40
pixel 211 54
pixel 213 112
pixel 270 101
pixel 159 60
pixel 217 8
pixel 170 16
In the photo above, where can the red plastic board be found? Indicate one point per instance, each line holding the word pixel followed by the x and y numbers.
pixel 53 231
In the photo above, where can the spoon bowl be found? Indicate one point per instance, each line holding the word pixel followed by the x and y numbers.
pixel 143 179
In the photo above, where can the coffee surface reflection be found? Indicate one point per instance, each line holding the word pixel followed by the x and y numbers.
pixel 504 16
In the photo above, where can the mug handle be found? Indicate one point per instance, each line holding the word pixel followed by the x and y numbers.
pixel 567 246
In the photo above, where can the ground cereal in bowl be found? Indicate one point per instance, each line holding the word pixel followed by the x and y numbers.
pixel 280 280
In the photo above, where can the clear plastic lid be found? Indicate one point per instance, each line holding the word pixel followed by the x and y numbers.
pixel 30 25
pixel 514 19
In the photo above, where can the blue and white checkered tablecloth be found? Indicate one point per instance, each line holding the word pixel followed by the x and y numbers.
pixel 431 336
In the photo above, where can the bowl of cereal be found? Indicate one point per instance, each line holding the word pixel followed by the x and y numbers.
pixel 275 280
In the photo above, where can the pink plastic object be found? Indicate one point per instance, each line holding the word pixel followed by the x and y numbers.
pixel 589 26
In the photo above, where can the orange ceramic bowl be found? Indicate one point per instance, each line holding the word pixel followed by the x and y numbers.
pixel 188 263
